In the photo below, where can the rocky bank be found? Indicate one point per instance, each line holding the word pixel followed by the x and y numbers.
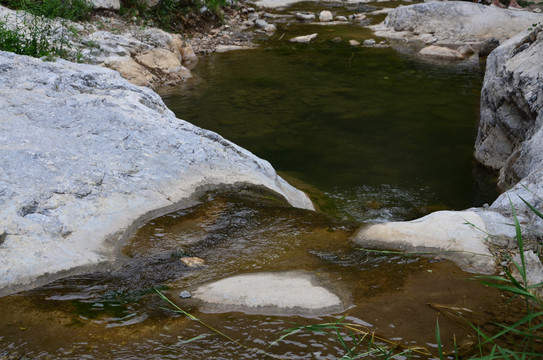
pixel 85 156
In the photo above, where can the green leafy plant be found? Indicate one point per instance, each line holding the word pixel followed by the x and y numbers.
pixel 75 10
pixel 33 36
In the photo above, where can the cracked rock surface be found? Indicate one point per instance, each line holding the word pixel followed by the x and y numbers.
pixel 84 154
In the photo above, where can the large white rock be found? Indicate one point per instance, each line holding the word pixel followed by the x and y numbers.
pixel 455 22
pixel 84 155
pixel 269 293
pixel 460 236
pixel 326 16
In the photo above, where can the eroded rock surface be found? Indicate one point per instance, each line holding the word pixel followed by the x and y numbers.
pixel 84 154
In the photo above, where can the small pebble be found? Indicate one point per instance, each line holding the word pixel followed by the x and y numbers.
pixel 185 294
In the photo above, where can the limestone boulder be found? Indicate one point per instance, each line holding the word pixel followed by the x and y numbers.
pixel 132 71
pixel 325 16
pixel 454 22
pixel 87 156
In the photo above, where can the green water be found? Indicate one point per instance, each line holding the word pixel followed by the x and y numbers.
pixel 364 125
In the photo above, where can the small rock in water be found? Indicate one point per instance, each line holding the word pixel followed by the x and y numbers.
pixel 251 10
pixel 353 43
pixel 369 42
pixel 261 24
pixel 442 52
pixel 466 50
pixel 358 17
pixel 193 262
pixel 341 18
pixel 305 16
pixel 306 39
pixel 325 16
pixel 185 294
pixel 270 28
pixel 337 39
pixel 253 17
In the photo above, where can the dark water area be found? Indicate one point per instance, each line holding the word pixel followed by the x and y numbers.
pixel 384 134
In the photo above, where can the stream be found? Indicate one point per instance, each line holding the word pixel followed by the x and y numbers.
pixel 372 134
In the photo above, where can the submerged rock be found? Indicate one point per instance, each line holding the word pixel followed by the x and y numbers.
pixel 305 16
pixel 269 293
pixel 85 155
pixel 305 39
pixel 441 52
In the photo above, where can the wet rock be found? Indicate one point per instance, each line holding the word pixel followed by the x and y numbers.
pixel 337 39
pixel 225 48
pixel 193 262
pixel 353 43
pixel 448 233
pixel 124 158
pixel 325 16
pixel 305 16
pixel 441 52
pixel 305 39
pixel 341 18
pixel 369 42
pixel 488 46
pixel 185 294
pixel 269 293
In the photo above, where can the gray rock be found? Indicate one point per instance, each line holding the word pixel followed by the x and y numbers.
pixel 488 46
pixel 85 155
pixel 353 42
pixel 253 17
pixel 369 42
pixel 261 24
pixel 270 29
pixel 203 10
pixel 185 294
pixel 340 18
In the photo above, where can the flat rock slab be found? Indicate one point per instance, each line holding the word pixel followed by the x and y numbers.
pixel 269 293
pixel 457 235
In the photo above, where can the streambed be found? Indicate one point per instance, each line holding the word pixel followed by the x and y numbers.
pixel 373 134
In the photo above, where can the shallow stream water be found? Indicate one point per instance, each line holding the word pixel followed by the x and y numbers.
pixel 373 134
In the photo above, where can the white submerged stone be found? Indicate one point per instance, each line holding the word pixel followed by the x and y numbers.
pixel 268 293
pixel 85 155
